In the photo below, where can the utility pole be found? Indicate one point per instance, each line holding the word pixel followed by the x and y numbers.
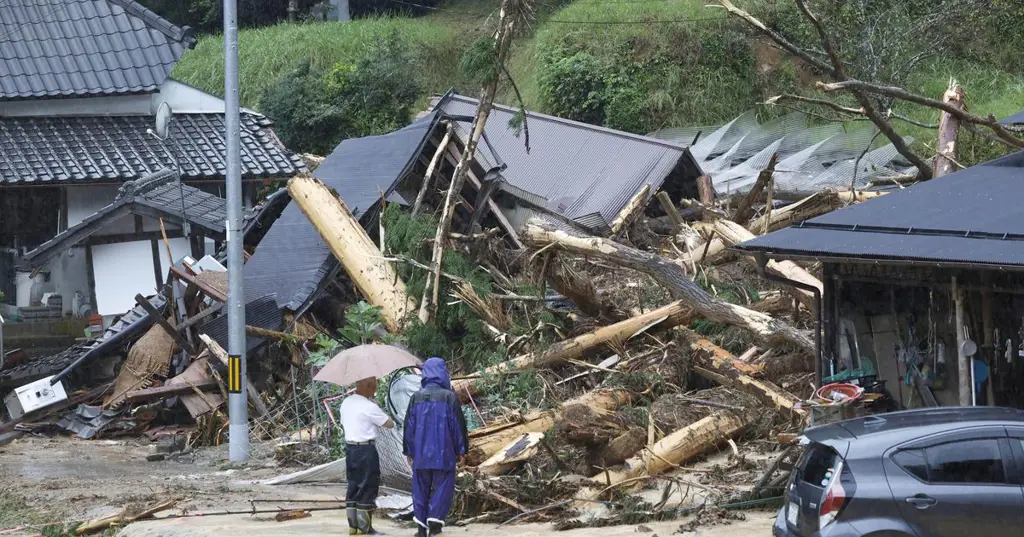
pixel 238 420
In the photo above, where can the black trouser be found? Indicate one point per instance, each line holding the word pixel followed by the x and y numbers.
pixel 362 464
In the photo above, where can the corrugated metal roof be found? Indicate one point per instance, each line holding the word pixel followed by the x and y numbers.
pixel 973 216
pixel 201 208
pixel 261 313
pixel 1015 119
pixel 61 48
pixel 582 172
pixel 118 148
pixel 292 260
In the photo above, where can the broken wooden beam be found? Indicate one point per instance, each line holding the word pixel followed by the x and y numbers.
pixel 512 455
pixel 738 374
pixel 373 276
pixel 745 207
pixel 672 276
pixel 202 286
pixel 631 211
pixel 671 211
pixel 169 390
pixel 733 233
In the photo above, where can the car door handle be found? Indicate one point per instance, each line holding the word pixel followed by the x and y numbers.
pixel 921 501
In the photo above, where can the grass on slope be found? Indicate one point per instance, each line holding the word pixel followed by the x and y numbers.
pixel 267 54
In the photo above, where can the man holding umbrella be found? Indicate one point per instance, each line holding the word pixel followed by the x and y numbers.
pixel 435 439
pixel 361 418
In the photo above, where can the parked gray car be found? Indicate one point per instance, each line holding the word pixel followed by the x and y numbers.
pixel 940 472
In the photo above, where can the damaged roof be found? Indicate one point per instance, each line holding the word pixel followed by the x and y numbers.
pixel 158 195
pixel 1016 119
pixel 79 48
pixel 582 172
pixel 92 149
pixel 293 261
pixel 970 217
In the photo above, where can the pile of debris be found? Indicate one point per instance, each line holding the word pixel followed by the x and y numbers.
pixel 618 361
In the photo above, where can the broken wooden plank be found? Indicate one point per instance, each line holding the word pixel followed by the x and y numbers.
pixel 253 395
pixel 745 208
pixel 167 390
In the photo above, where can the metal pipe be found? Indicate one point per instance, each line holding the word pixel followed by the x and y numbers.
pixel 762 261
pixel 238 421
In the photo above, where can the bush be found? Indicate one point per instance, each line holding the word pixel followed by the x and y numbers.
pixel 314 111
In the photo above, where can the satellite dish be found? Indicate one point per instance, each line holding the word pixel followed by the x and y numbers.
pixel 163 119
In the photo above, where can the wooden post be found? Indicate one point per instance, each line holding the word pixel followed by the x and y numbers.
pixel 428 176
pixel 745 208
pixel 706 191
pixel 945 157
pixel 963 361
pixel 671 210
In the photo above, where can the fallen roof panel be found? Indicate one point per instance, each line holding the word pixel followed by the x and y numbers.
pixel 582 172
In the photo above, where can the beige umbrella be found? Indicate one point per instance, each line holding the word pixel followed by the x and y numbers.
pixel 364 361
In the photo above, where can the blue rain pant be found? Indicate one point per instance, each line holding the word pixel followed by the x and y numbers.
pixel 433 492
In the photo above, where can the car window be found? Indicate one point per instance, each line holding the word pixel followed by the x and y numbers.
pixel 913 461
pixel 968 461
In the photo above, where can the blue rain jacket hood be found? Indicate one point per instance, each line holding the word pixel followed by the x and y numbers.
pixel 435 432
pixel 435 373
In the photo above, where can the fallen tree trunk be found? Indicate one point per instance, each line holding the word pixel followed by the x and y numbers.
pixel 676 448
pixel 711 357
pixel 509 457
pixel 814 205
pixel 672 314
pixel 631 211
pixel 671 275
pixel 484 443
pixel 733 233
pixel 375 278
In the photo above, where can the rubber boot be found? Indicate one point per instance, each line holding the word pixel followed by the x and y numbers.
pixel 353 521
pixel 421 531
pixel 365 521
pixel 435 528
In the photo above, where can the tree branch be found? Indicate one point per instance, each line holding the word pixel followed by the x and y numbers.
pixel 837 62
pixel 777 37
pixel 860 87
pixel 820 102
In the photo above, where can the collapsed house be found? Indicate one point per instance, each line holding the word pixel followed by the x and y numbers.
pixel 922 287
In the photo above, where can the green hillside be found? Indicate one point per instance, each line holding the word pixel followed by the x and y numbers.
pixel 635 65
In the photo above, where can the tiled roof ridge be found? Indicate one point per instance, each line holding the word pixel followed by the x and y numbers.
pixel 181 34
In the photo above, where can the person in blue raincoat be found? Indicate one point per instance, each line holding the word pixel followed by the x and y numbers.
pixel 435 440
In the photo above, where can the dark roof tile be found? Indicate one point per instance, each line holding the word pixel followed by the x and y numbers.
pixel 117 148
pixel 60 48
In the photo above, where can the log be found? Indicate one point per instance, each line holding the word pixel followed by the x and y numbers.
pixel 375 278
pixel 121 518
pixel 733 233
pixel 670 209
pixel 633 208
pixel 814 205
pixel 484 443
pixel 573 348
pixel 711 357
pixel 509 457
pixel 745 208
pixel 672 276
pixel 676 448
pixel 580 289
pixel 773 302
pixel 949 125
